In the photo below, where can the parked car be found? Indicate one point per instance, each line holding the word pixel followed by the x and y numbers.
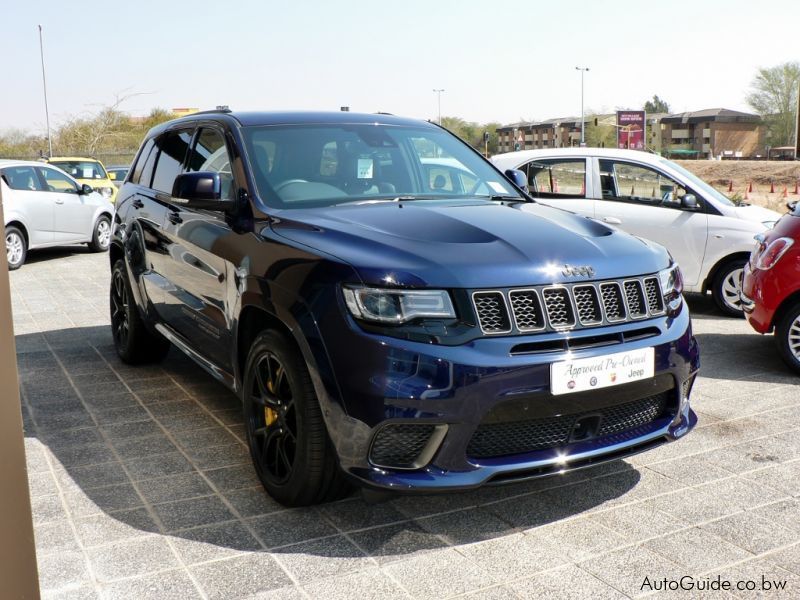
pixel 117 174
pixel 382 330
pixel 43 206
pixel 771 286
pixel 89 171
pixel 709 236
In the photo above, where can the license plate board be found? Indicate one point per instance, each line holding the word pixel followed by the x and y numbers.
pixel 570 376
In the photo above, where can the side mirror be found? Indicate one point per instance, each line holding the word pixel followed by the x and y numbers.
pixel 112 175
pixel 792 205
pixel 201 191
pixel 85 190
pixel 689 202
pixel 518 178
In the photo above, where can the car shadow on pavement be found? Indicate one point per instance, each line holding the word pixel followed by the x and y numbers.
pixel 46 254
pixel 118 452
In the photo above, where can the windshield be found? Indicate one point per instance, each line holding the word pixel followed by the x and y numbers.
pixel 81 169
pixel 299 166
pixel 698 184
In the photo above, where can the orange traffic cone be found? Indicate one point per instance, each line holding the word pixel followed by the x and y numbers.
pixel 796 182
pixel 730 185
pixel 771 187
pixel 785 192
pixel 583 188
pixel 750 187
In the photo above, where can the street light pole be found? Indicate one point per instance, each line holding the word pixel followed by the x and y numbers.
pixel 583 124
pixel 439 98
pixel 44 85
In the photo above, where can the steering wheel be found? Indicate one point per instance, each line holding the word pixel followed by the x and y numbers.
pixel 283 184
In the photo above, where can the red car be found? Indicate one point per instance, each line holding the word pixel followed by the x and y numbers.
pixel 771 286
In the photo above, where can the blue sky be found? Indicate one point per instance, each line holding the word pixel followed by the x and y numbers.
pixel 497 60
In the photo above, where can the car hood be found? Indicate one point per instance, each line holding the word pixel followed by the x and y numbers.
pixel 468 244
pixel 756 213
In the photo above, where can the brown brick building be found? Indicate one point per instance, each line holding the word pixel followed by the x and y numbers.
pixel 552 133
pixel 712 133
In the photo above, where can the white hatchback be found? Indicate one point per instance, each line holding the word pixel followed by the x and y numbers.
pixel 43 206
pixel 644 194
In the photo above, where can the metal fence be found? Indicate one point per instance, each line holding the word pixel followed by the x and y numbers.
pixel 109 159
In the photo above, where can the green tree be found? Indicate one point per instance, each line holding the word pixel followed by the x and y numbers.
pixel 602 135
pixel 656 105
pixel 774 97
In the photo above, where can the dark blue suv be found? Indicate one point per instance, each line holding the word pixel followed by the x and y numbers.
pixel 392 309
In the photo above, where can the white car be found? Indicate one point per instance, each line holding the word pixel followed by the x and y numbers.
pixel 43 206
pixel 644 194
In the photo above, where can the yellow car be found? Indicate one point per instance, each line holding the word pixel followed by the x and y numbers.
pixel 89 171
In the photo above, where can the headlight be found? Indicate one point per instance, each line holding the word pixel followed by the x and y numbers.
pixel 105 192
pixel 769 256
pixel 671 287
pixel 397 306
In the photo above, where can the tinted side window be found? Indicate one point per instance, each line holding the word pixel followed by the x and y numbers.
pixel 172 147
pixel 211 154
pixel 139 166
pixel 552 178
pixel 21 178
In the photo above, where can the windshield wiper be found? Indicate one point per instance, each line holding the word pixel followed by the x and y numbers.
pixel 500 197
pixel 383 199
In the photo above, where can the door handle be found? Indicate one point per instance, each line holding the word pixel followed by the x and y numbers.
pixel 612 220
pixel 59 201
pixel 174 218
pixel 138 203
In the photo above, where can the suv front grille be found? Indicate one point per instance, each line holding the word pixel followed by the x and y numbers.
pixel 518 437
pixel 568 306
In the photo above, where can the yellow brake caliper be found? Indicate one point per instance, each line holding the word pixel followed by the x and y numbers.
pixel 270 415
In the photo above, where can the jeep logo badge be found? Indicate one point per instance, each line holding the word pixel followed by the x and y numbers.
pixel 580 271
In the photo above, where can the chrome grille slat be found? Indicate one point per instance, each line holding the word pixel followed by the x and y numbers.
pixel 527 309
pixel 652 289
pixel 587 304
pixel 634 297
pixel 558 305
pixel 613 302
pixel 492 312
pixel 567 306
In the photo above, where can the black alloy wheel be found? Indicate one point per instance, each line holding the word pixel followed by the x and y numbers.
pixel 135 344
pixel 286 433
pixel 274 427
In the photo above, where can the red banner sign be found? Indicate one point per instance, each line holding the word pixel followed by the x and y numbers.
pixel 630 129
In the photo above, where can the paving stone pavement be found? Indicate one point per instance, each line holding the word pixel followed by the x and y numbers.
pixel 142 487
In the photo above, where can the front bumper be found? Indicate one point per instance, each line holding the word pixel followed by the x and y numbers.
pixel 760 299
pixel 388 381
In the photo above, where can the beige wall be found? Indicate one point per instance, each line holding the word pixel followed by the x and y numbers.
pixel 18 574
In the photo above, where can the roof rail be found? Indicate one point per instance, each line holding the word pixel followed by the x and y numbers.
pixel 219 109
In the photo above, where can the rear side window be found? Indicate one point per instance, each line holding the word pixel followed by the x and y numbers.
pixel 21 178
pixel 550 178
pixel 140 162
pixel 172 147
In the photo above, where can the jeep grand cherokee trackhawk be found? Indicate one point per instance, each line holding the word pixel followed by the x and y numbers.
pixel 385 321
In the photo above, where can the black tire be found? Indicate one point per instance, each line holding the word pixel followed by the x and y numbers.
pixel 135 344
pixel 288 440
pixel 16 247
pixel 787 337
pixel 101 237
pixel 726 286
